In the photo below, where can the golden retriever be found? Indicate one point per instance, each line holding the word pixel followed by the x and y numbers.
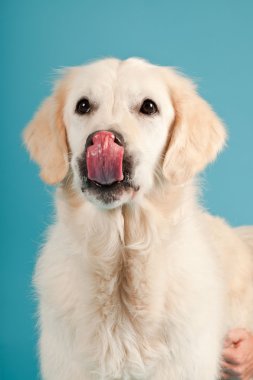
pixel 135 280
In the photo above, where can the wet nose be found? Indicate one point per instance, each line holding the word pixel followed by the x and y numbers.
pixel 100 136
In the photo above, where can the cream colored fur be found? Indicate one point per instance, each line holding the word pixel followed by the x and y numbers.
pixel 145 288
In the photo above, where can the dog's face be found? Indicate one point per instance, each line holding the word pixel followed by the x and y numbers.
pixel 117 117
pixel 116 126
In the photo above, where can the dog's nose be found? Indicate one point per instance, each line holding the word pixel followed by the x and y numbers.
pixel 102 135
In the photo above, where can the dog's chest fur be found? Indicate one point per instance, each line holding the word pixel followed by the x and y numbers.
pixel 125 333
pixel 112 286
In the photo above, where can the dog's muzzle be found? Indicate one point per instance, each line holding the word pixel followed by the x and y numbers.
pixel 106 168
pixel 104 157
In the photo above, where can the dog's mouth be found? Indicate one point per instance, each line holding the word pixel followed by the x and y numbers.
pixel 106 168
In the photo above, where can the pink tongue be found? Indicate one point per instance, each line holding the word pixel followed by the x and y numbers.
pixel 104 159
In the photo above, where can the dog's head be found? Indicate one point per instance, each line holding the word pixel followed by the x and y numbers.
pixel 117 127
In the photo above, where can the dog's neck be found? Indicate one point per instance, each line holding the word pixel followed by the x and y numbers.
pixel 123 251
pixel 134 226
pixel 150 216
pixel 123 240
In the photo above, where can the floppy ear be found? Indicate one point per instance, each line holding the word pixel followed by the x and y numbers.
pixel 45 139
pixel 196 136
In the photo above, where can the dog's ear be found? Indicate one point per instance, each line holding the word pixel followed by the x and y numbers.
pixel 197 134
pixel 45 139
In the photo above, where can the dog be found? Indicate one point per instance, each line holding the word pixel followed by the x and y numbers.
pixel 135 280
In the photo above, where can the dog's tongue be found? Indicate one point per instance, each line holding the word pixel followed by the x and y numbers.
pixel 105 159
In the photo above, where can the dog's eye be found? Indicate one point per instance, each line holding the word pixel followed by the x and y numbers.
pixel 83 106
pixel 148 107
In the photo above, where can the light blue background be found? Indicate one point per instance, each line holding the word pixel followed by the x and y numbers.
pixel 210 41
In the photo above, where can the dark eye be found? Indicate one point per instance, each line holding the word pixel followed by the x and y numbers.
pixel 148 107
pixel 83 106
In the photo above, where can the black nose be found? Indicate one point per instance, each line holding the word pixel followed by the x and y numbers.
pixel 117 137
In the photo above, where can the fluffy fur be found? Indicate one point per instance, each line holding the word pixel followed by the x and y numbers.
pixel 146 286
